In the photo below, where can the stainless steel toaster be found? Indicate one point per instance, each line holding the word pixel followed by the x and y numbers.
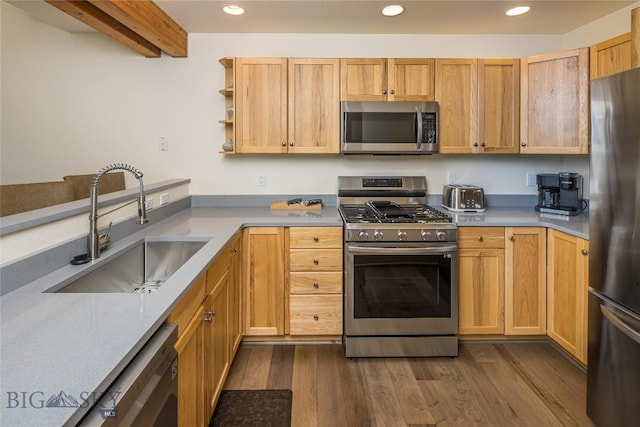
pixel 463 198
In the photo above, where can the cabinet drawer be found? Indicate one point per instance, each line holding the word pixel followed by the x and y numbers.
pixel 321 282
pixel 188 306
pixel 315 315
pixel 315 237
pixel 315 260
pixel 219 266
pixel 481 237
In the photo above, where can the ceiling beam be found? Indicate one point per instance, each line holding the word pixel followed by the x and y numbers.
pixel 96 18
pixel 150 22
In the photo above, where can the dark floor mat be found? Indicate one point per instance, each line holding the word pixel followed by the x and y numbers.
pixel 253 408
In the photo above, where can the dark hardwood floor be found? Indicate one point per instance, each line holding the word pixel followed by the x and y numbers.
pixel 510 384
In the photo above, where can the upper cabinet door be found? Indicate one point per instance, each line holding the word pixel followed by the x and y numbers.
pixel 261 111
pixel 363 79
pixel 610 56
pixel 498 106
pixel 314 105
pixel 555 103
pixel 411 79
pixel 457 96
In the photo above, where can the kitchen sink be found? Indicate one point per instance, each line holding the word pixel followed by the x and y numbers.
pixel 140 269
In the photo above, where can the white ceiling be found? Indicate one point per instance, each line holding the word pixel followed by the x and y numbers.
pixel 363 16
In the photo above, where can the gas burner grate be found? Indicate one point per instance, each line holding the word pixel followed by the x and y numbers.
pixel 416 213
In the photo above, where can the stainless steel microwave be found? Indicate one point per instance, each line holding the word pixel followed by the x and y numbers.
pixel 389 127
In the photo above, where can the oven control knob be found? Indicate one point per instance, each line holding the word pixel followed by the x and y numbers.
pixel 426 235
pixel 441 235
pixel 402 235
pixel 378 235
pixel 363 235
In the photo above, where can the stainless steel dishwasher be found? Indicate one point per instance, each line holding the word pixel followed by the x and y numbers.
pixel 146 393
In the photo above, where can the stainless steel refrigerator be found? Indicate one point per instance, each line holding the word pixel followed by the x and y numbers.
pixel 613 378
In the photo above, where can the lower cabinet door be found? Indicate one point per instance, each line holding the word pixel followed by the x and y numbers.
pixel 525 281
pixel 191 404
pixel 481 291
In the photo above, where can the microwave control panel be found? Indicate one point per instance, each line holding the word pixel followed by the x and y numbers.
pixel 429 127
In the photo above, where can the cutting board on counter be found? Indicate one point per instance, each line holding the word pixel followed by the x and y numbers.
pixel 282 205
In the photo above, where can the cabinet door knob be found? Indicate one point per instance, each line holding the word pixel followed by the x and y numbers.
pixel 209 315
pixel 585 252
pixel 384 91
pixel 284 144
pixel 511 238
pixel 482 144
pixel 316 285
pixel 475 144
pixel 392 92
pixel 316 239
pixel 291 144
pixel 523 144
pixel 316 317
pixel 315 261
pixel 480 238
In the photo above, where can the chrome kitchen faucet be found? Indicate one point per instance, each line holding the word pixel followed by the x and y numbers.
pixel 93 240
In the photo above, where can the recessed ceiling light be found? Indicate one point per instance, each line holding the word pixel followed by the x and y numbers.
pixel 517 10
pixel 232 9
pixel 392 10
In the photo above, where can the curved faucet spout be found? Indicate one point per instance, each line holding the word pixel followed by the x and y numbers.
pixel 93 240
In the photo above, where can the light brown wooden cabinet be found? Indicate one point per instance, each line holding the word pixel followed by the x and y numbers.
pixel 567 293
pixel 315 281
pixel 205 347
pixel 492 298
pixel 479 105
pixel 235 293
pixel 610 56
pixel 191 372
pixel 264 289
pixel 525 281
pixel 217 355
pixel 554 112
pixel 287 105
pixel 481 280
pixel 381 79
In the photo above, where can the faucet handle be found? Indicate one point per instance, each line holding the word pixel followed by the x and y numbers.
pixel 104 239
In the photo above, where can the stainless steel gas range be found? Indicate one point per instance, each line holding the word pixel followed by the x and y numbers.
pixel 401 269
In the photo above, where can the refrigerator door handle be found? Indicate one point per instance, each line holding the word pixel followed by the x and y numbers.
pixel 620 324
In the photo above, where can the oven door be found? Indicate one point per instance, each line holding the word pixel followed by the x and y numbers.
pixel 401 289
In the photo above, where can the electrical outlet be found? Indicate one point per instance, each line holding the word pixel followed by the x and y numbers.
pixel 148 203
pixel 164 199
pixel 451 178
pixel 262 180
pixel 531 180
pixel 163 144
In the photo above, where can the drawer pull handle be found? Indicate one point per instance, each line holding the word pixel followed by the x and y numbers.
pixel 480 239
pixel 511 238
pixel 316 285
pixel 316 317
pixel 316 239
pixel 315 261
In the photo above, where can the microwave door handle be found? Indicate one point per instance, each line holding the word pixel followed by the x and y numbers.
pixel 419 136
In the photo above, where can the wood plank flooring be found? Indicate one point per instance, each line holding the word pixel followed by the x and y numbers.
pixel 510 384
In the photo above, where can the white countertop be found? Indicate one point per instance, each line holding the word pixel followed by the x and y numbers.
pixel 79 343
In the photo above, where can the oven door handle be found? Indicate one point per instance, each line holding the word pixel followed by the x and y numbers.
pixel 366 250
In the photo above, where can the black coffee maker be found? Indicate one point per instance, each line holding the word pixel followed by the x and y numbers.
pixel 560 193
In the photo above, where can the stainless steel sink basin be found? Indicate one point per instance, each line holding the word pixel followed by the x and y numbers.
pixel 143 268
